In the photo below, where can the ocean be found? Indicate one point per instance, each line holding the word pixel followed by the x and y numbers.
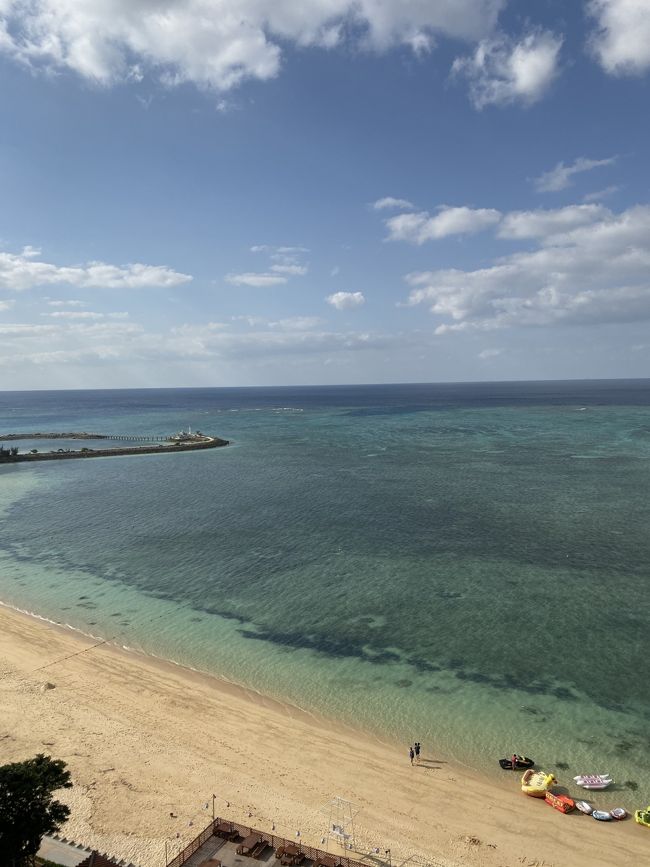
pixel 466 565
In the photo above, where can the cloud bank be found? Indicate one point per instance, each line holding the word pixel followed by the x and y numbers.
pixel 20 271
pixel 590 266
pixel 219 43
pixel 109 342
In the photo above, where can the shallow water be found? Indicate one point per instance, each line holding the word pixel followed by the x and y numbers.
pixel 462 565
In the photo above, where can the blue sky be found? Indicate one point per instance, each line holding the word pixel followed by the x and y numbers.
pixel 259 192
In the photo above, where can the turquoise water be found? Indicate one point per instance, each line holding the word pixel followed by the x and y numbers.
pixel 467 566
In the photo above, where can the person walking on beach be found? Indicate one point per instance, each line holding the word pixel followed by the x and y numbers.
pixel 417 752
pixel 411 754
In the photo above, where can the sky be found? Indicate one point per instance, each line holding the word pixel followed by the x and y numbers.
pixel 273 192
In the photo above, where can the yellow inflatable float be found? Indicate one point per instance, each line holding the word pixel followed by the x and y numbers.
pixel 536 783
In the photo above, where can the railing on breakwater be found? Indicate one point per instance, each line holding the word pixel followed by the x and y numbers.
pixel 135 439
pixel 243 831
pixel 83 436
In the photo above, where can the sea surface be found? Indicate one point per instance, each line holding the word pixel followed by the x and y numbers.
pixel 463 565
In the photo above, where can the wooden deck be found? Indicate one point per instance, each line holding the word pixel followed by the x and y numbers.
pixel 208 845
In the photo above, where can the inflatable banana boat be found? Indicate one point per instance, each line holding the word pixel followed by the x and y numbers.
pixel 594 781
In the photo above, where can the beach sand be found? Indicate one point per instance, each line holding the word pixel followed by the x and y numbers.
pixel 145 739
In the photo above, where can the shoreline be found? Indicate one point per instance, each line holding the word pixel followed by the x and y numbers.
pixel 146 737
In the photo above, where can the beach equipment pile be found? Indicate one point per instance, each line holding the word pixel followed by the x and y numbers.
pixel 539 784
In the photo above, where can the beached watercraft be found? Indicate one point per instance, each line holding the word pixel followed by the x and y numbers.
pixel 523 762
pixel 536 783
pixel 593 781
pixel 643 817
pixel 563 803
pixel 584 807
pixel 618 813
pixel 602 815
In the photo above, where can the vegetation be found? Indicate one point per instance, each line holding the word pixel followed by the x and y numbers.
pixel 28 810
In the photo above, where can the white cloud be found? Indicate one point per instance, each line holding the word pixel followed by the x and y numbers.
pixel 502 71
pixel 548 223
pixel 621 40
pixel 486 354
pixel 23 330
pixel 559 178
pixel 284 263
pixel 30 252
pixel 592 273
pixel 73 302
pixel 219 43
pixel 291 323
pixel 346 300
pixel 6 305
pixel 281 250
pixel 74 314
pixel 599 195
pixel 541 223
pixel 19 271
pixel 290 270
pixel 104 328
pixel 84 315
pixel 199 342
pixel 389 202
pixel 93 342
pixel 420 227
pixel 296 323
pixel 256 279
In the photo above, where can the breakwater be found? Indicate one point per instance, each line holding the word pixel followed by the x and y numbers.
pixel 196 444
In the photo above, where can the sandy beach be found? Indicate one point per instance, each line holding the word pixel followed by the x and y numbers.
pixel 145 739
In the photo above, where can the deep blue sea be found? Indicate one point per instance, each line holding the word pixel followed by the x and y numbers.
pixel 463 565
